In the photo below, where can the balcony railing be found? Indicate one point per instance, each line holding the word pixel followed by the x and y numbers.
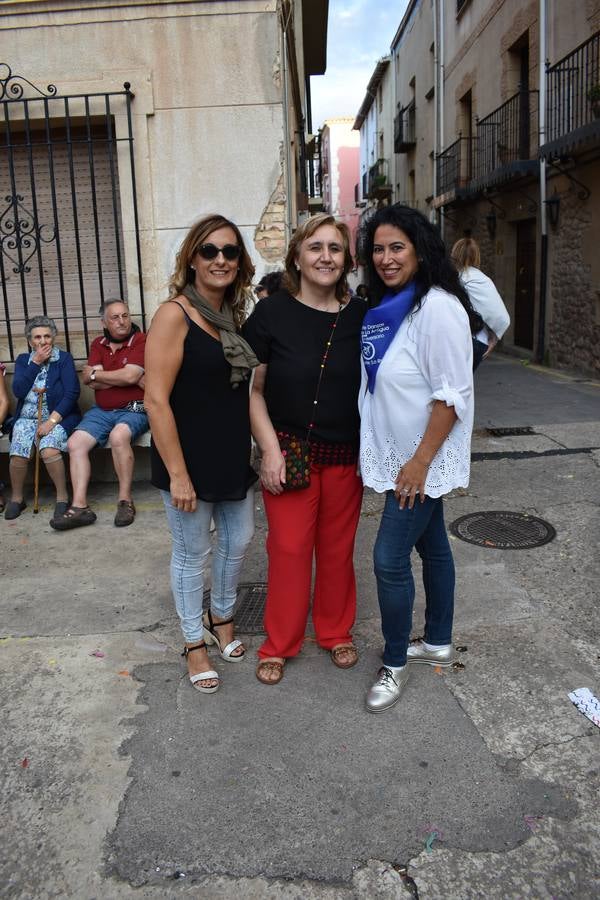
pixel 379 185
pixel 455 165
pixel 507 135
pixel 405 136
pixel 574 90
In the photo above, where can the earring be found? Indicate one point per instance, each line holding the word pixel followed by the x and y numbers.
pixel 297 267
pixel 193 268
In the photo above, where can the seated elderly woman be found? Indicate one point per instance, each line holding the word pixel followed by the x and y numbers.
pixel 46 386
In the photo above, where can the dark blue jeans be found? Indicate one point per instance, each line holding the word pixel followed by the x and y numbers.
pixel 399 531
pixel 479 348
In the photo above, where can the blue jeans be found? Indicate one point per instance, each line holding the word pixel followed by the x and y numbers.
pixel 479 348
pixel 190 533
pixel 399 531
pixel 100 422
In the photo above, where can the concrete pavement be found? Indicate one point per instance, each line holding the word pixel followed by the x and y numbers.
pixel 119 781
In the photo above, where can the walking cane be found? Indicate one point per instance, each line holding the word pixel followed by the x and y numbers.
pixel 36 478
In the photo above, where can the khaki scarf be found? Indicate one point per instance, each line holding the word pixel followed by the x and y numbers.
pixel 237 351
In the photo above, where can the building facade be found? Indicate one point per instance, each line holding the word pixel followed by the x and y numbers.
pixel 497 135
pixel 340 167
pixel 124 123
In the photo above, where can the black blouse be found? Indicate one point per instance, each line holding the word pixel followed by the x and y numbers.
pixel 213 423
pixel 291 337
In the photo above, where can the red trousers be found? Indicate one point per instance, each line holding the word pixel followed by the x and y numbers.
pixel 319 521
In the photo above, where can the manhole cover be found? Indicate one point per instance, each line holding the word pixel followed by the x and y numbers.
pixel 503 530
pixel 250 607
pixel 510 432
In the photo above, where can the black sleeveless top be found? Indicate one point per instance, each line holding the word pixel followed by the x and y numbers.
pixel 213 422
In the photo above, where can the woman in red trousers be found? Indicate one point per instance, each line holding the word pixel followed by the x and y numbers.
pixel 307 338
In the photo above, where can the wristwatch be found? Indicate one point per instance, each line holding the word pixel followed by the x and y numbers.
pixel 93 375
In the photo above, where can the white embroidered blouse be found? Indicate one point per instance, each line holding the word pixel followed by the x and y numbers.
pixel 430 358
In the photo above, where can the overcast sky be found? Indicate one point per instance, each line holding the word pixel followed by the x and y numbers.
pixel 359 33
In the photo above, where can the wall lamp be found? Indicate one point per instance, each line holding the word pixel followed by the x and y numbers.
pixel 490 223
pixel 553 208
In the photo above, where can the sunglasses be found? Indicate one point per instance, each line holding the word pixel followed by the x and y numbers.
pixel 211 251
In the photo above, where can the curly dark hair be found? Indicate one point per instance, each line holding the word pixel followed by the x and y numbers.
pixel 435 266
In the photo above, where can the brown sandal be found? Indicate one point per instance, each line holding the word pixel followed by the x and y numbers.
pixel 269 665
pixel 348 650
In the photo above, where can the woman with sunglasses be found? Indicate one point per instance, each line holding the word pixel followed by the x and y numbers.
pixel 197 399
pixel 307 339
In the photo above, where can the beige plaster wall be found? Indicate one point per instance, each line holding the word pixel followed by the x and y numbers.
pixel 207 114
pixel 478 57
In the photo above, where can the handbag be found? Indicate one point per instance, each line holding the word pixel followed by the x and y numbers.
pixel 296 453
pixel 296 450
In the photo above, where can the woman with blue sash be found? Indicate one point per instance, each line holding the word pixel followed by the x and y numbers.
pixel 416 406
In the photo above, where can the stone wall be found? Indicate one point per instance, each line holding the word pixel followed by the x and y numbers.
pixel 574 327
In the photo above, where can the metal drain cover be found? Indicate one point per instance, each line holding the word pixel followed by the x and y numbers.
pixel 503 530
pixel 249 609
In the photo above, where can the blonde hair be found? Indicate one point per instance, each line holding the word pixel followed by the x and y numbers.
pixel 239 293
pixel 466 253
pixel 291 277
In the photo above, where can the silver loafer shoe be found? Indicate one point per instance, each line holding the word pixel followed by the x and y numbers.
pixel 387 689
pixel 418 653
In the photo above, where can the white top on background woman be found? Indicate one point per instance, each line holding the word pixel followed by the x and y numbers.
pixel 483 295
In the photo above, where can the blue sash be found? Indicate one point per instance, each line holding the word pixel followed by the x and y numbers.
pixel 380 326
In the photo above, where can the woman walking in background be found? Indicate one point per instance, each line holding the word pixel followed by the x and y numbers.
pixel 46 386
pixel 484 298
pixel 416 421
pixel 306 337
pixel 197 398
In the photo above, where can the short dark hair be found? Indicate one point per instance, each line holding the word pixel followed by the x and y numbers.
pixel 435 266
pixel 270 282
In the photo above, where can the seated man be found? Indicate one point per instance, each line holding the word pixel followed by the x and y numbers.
pixel 115 371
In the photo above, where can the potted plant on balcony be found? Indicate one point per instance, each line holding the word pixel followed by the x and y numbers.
pixel 593 96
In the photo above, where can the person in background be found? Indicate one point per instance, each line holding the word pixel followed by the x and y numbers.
pixel 47 373
pixel 115 371
pixel 4 407
pixel 197 396
pixel 362 292
pixel 416 407
pixel 484 298
pixel 268 284
pixel 306 337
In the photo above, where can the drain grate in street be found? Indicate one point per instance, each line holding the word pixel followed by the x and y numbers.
pixel 510 432
pixel 250 607
pixel 503 530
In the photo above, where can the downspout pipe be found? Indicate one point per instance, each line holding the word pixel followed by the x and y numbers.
pixel 541 339
pixel 287 154
pixel 436 126
pixel 438 25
